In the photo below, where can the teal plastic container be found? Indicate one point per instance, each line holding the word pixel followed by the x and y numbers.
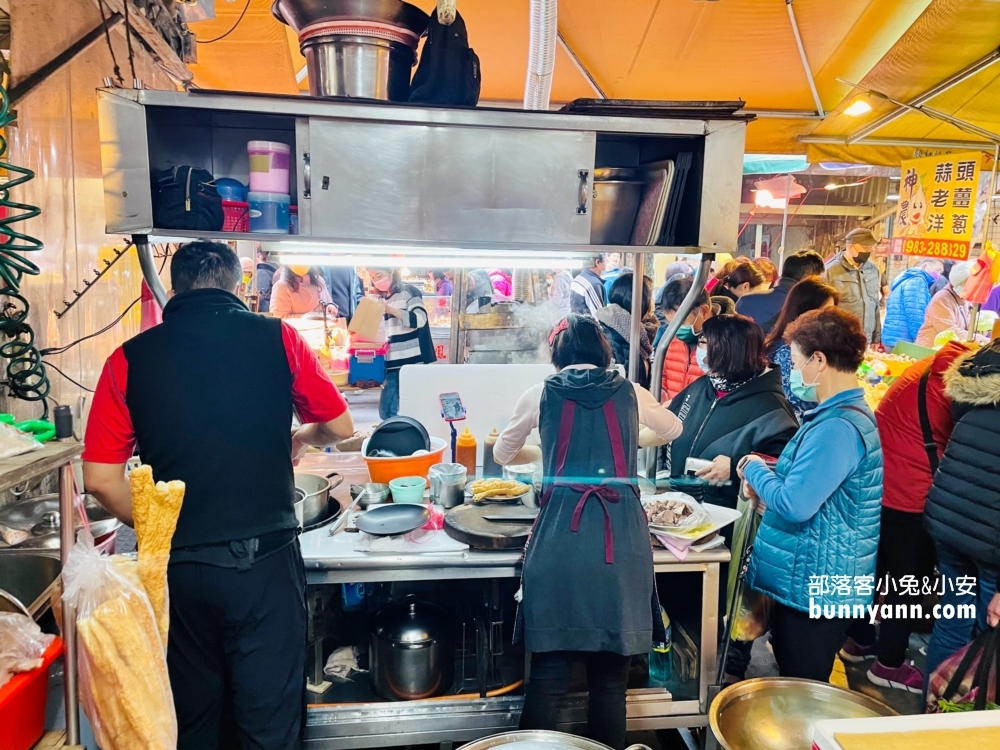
pixel 407 489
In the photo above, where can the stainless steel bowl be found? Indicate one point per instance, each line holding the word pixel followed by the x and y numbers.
pixel 779 713
pixel 376 494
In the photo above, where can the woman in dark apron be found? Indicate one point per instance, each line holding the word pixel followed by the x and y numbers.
pixel 588 593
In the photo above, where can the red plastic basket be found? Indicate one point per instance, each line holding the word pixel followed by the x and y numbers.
pixel 22 703
pixel 236 216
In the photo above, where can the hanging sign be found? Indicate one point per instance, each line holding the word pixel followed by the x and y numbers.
pixel 937 203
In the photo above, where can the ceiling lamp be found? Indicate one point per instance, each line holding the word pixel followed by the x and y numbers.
pixel 858 107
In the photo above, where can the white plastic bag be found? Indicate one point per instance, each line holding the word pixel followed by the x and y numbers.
pixel 124 687
pixel 13 442
pixel 697 521
pixel 22 644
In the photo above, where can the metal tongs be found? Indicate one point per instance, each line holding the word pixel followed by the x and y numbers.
pixel 342 521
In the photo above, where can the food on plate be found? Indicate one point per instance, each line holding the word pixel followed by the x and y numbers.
pixel 668 512
pixel 155 508
pixel 496 488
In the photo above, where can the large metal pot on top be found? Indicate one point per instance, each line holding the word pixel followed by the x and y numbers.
pixel 412 651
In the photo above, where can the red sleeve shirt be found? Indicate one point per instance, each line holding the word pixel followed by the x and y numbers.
pixel 110 438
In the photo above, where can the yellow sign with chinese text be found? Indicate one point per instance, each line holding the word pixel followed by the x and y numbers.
pixel 937 204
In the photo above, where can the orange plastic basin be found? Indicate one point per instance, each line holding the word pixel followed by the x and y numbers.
pixel 385 469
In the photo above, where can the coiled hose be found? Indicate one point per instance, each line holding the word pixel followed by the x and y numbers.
pixel 26 377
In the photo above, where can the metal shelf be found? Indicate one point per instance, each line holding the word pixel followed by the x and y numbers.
pixel 396 247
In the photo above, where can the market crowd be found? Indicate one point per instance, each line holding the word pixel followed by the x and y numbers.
pixel 763 375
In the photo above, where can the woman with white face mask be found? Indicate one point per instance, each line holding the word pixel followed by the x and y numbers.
pixel 822 501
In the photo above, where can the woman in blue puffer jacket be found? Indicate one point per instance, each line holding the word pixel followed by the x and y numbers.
pixel 909 295
pixel 815 550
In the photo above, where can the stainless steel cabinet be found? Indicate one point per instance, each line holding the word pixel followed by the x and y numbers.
pixel 393 181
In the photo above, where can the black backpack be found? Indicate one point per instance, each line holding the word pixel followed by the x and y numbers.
pixel 186 198
pixel 448 72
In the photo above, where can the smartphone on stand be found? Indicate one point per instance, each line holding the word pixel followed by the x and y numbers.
pixel 452 411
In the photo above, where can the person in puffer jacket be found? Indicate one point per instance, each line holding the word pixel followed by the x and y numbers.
pixel 909 295
pixel 963 508
pixel 682 365
pixel 818 538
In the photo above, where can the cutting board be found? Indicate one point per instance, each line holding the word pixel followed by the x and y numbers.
pixel 975 729
pixel 466 523
pixel 489 394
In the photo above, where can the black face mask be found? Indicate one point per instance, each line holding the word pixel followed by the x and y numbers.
pixel 860 258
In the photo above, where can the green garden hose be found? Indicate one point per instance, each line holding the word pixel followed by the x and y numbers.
pixel 26 377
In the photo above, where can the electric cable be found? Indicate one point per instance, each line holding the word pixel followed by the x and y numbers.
pixel 81 386
pixel 107 38
pixel 223 36
pixel 26 378
pixel 128 41
pixel 108 327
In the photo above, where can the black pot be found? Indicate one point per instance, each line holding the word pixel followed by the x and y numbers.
pixel 412 651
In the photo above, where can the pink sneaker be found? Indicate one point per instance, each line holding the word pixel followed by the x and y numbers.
pixel 855 653
pixel 906 677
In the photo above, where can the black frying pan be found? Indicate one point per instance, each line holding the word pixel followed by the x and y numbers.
pixel 392 520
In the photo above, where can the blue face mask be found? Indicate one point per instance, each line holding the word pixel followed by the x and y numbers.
pixel 802 391
pixel 701 357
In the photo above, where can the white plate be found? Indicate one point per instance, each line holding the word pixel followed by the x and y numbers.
pixel 720 516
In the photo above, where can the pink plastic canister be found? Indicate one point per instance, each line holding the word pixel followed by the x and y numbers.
pixel 268 166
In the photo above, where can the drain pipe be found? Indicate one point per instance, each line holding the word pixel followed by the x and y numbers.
pixel 543 30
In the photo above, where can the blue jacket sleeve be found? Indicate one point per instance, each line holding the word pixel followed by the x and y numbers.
pixel 916 297
pixel 827 455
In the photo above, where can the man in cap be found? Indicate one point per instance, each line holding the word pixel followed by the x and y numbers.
pixel 587 290
pixel 857 279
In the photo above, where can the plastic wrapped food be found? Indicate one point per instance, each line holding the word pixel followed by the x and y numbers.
pixel 124 687
pixel 122 622
pixel 22 644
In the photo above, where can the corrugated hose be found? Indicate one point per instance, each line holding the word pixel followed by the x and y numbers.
pixel 26 377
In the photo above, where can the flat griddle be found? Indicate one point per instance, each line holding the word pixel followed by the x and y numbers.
pixel 467 524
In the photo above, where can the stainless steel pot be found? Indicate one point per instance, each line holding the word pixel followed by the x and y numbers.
pixel 40 516
pixel 313 503
pixel 356 48
pixel 530 740
pixel 412 651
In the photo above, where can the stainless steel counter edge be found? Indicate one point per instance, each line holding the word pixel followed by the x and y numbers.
pixel 480 559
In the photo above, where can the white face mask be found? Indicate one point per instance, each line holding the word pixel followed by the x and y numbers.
pixel 701 357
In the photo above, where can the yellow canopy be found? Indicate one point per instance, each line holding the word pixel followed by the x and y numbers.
pixel 697 49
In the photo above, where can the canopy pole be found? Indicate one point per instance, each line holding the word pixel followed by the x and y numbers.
pixel 974 314
pixel 784 218
pixel 805 60
pixel 945 85
pixel 636 329
pixel 659 357
pixel 584 70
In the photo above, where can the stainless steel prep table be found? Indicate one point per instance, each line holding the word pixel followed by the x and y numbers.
pixel 344 726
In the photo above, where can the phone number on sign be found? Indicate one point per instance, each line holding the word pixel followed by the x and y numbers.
pixel 954 249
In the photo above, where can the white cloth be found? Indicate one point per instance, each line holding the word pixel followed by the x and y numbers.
pixel 342 664
pixel 416 541
pixel 658 418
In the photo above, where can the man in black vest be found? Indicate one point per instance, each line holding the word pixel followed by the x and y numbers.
pixel 209 396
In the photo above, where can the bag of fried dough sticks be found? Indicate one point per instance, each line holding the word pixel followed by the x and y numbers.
pixel 122 622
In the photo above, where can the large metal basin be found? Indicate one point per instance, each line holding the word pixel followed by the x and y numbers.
pixel 28 579
pixel 779 713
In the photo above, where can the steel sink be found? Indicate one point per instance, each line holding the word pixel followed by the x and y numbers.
pixel 27 578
